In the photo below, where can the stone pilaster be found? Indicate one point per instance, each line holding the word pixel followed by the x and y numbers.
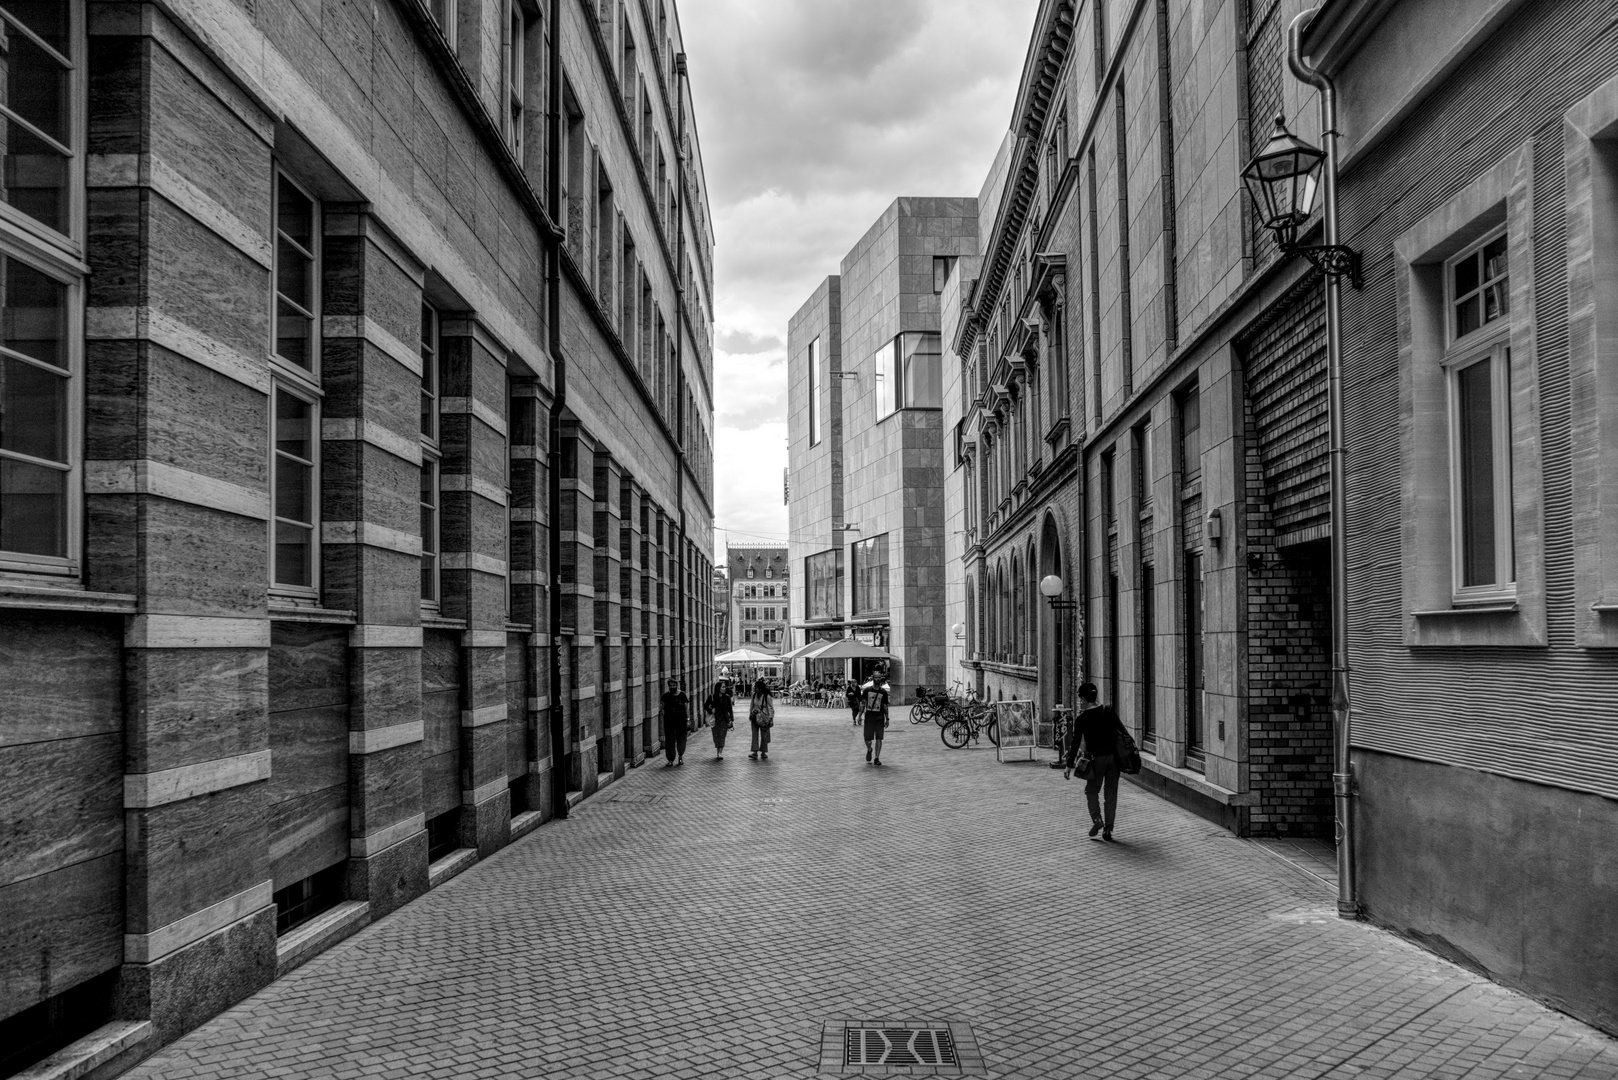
pixel 474 574
pixel 639 739
pixel 530 598
pixel 371 449
pixel 609 609
pixel 576 579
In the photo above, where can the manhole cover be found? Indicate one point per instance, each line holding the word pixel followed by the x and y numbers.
pixel 904 1047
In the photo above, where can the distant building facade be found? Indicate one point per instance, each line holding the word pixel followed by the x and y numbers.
pixel 365 489
pixel 1142 413
pixel 758 577
pixel 866 441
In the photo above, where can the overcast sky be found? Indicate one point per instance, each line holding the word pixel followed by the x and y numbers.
pixel 813 115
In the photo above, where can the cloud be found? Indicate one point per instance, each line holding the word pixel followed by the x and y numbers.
pixel 741 343
pixel 813 116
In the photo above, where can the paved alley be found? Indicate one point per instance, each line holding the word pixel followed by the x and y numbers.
pixel 724 919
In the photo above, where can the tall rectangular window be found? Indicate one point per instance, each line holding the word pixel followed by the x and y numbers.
pixel 443 13
pixel 40 112
pixel 295 492
pixel 1148 656
pixel 823 585
pixel 940 272
pixel 814 392
pixel 871 575
pixel 295 361
pixel 1478 370
pixel 1194 720
pixel 297 274
pixel 515 76
pixel 1190 421
pixel 431 501
pixel 920 358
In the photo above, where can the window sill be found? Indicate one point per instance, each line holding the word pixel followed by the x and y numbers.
pixel 282 611
pixel 1507 608
pixel 1059 431
pixel 64 597
pixel 433 621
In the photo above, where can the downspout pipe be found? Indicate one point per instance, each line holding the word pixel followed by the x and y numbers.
pixel 1342 714
pixel 560 766
pixel 687 669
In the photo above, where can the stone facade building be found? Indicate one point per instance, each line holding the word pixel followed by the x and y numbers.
pixel 865 441
pixel 1480 184
pixel 355 474
pixel 1142 412
pixel 758 577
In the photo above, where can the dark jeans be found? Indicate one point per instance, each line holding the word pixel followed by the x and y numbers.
pixel 1103 780
pixel 674 740
pixel 859 713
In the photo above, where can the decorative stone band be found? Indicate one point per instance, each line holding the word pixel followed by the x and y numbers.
pixel 363 847
pixel 466 560
pixel 371 535
pixel 527 513
pixel 150 324
pixel 374 333
pixel 144 477
pixel 475 484
pixel 484 793
pixel 375 740
pixel 196 632
pixel 614 687
pixel 143 790
pixel 583 693
pixel 616 729
pixel 145 948
pixel 484 639
pixel 348 429
pixel 477 408
pixel 149 170
pixel 377 636
pixel 542 765
pixel 584 746
pixel 537 703
pixel 488 714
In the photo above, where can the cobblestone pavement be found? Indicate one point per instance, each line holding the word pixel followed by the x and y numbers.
pixel 713 932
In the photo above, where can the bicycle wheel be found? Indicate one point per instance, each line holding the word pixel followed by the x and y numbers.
pixel 944 715
pixel 994 730
pixel 918 713
pixel 955 733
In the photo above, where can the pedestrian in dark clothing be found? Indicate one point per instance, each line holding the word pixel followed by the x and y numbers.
pixel 874 705
pixel 761 714
pixel 721 706
pixel 676 723
pixel 1097 728
pixel 852 696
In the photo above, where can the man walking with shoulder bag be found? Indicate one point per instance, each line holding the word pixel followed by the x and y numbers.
pixel 1099 732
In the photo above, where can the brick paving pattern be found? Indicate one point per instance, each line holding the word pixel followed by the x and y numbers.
pixel 716 931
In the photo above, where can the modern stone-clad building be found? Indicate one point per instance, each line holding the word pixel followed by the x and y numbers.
pixel 1480 184
pixel 355 470
pixel 866 441
pixel 758 578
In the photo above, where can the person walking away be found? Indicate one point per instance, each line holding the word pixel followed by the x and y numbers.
pixel 851 695
pixel 721 706
pixel 874 706
pixel 676 723
pixel 1098 729
pixel 761 714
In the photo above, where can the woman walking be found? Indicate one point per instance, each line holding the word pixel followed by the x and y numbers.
pixel 720 706
pixel 761 713
pixel 851 696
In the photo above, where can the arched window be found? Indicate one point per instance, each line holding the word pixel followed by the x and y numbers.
pixel 1019 612
pixel 971 623
pixel 1033 599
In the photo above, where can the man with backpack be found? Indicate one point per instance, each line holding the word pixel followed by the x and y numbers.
pixel 874 702
pixel 1100 737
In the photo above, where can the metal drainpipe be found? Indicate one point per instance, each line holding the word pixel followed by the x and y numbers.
pixel 560 767
pixel 1342 716
pixel 679 350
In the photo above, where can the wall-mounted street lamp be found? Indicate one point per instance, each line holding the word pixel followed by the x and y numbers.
pixel 959 630
pixel 1050 587
pixel 1284 180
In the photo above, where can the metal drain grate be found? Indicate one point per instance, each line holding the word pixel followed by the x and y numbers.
pixel 898 1046
pixel 636 797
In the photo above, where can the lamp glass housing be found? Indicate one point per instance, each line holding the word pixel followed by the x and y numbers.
pixel 1284 180
pixel 1050 586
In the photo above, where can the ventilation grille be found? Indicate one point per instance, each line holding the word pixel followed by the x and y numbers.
pixel 898 1046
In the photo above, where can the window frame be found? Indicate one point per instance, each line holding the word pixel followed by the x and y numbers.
pixel 311 373
pixel 814 392
pixel 71 563
pixel 447 24
pixel 1484 329
pixel 23 224
pixel 431 353
pixel 1497 353
pixel 514 61
pixel 313 398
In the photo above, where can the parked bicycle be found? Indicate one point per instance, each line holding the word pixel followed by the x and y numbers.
pixel 968 723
